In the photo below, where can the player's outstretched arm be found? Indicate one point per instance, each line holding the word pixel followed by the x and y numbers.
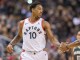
pixel 71 45
pixel 50 35
pixel 74 44
pixel 65 47
pixel 16 39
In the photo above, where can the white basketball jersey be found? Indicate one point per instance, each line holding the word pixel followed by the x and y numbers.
pixel 33 35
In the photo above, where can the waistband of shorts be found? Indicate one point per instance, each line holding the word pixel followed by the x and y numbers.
pixel 31 51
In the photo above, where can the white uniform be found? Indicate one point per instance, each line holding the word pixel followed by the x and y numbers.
pixel 33 41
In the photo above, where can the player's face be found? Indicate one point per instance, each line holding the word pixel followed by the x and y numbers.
pixel 78 36
pixel 38 10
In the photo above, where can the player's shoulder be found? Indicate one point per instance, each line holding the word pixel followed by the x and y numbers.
pixel 22 21
pixel 45 23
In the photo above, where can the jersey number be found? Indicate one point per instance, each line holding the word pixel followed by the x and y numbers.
pixel 32 35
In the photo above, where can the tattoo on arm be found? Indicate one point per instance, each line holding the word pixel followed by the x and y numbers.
pixel 16 39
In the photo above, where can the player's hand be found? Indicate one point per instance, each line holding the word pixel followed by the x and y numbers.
pixel 60 52
pixel 63 47
pixel 9 48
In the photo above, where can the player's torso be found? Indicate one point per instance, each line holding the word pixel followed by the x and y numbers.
pixel 77 53
pixel 33 34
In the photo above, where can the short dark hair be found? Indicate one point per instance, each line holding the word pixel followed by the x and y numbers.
pixel 34 4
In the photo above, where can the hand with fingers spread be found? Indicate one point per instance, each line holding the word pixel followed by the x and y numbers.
pixel 9 48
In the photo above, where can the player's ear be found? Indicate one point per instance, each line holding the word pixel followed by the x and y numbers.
pixel 32 9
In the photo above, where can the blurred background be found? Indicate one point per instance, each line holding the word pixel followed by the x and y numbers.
pixel 63 15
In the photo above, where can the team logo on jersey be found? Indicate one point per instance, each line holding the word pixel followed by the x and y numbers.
pixel 26 23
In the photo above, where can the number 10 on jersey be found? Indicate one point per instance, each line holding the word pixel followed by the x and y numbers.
pixel 32 35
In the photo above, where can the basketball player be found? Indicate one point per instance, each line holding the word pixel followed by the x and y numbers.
pixel 73 48
pixel 33 30
pixel 65 47
pixel 76 50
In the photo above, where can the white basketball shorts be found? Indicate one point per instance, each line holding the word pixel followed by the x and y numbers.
pixel 29 55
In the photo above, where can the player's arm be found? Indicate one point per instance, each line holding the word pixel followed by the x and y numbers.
pixel 50 35
pixel 16 39
pixel 74 44
pixel 72 54
pixel 65 47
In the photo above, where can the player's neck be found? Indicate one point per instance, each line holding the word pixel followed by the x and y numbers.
pixel 33 18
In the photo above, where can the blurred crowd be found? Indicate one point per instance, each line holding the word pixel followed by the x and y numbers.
pixel 63 15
